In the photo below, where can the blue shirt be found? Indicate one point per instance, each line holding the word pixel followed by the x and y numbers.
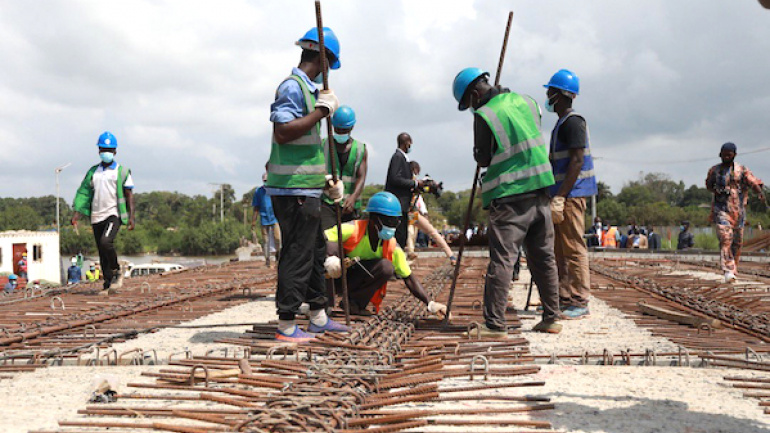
pixel 289 105
pixel 73 274
pixel 262 202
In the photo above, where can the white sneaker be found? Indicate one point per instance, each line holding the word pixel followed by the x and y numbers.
pixel 729 277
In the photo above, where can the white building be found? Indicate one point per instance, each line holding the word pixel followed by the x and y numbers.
pixel 42 248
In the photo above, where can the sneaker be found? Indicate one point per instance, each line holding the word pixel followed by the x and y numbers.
pixel 548 327
pixel 298 336
pixel 729 277
pixel 331 326
pixel 453 260
pixel 486 332
pixel 576 312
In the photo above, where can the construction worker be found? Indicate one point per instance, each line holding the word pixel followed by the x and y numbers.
pixel 92 274
pixel 730 183
pixel 371 244
pixel 107 196
pixel 611 236
pixel 73 272
pixel 22 266
pixel 296 179
pixel 507 140
pixel 351 162
pixel 418 221
pixel 262 205
pixel 12 283
pixel 573 170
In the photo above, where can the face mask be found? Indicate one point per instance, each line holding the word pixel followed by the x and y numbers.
pixel 107 157
pixel 681 228
pixel 341 138
pixel 386 233
pixel 408 149
pixel 599 226
pixel 319 79
pixel 549 105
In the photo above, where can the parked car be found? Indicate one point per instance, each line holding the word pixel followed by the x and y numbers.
pixel 153 268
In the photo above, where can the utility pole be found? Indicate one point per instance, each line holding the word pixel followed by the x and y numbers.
pixel 221 200
pixel 56 171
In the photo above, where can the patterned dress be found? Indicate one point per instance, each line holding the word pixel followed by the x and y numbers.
pixel 730 186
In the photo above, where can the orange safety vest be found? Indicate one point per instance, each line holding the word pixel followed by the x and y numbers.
pixel 359 230
pixel 608 238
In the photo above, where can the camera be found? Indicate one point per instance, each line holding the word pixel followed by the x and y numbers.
pixel 431 186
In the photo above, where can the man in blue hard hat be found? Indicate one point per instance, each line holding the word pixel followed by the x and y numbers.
pixel 12 283
pixel 351 162
pixel 573 170
pixel 371 245
pixel 296 179
pixel 106 195
pixel 508 142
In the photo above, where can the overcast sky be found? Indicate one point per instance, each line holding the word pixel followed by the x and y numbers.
pixel 186 86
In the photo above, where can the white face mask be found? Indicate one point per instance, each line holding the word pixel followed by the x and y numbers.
pixel 549 106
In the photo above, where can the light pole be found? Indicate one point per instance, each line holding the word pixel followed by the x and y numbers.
pixel 58 170
pixel 221 200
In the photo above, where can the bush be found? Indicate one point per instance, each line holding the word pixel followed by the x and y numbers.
pixel 707 241
pixel 73 243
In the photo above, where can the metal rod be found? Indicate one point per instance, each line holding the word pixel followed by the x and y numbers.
pixel 332 151
pixel 473 188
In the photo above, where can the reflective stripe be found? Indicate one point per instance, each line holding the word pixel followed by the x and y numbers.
pixel 514 176
pixel 583 175
pixel 517 148
pixel 565 154
pixel 502 136
pixel 109 229
pixel 296 169
pixel 536 114
pixel 311 139
pixel 347 179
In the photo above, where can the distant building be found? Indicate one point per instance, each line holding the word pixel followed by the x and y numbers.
pixel 42 248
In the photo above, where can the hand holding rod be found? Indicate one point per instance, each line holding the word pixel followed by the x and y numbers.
pixel 332 151
pixel 473 189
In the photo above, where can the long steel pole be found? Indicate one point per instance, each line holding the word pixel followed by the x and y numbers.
pixel 475 183
pixel 332 151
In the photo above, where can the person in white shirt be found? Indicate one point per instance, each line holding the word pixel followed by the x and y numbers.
pixel 106 195
pixel 418 220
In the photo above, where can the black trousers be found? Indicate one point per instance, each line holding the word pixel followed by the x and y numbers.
pixel 361 285
pixel 301 265
pixel 402 231
pixel 329 216
pixel 105 233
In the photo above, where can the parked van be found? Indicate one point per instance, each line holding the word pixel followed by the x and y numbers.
pixel 154 268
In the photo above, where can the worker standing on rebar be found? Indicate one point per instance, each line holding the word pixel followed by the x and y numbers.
pixel 508 141
pixel 351 169
pixel 370 242
pixel 573 170
pixel 262 205
pixel 107 196
pixel 296 179
pixel 730 183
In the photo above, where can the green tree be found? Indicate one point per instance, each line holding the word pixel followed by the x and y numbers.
pixel 20 217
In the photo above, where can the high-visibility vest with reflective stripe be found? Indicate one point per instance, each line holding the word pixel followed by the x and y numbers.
pixel 388 247
pixel 585 185
pixel 298 163
pixel 85 194
pixel 608 239
pixel 349 172
pixel 520 158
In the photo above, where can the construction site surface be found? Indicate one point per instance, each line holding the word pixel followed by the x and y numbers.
pixel 668 347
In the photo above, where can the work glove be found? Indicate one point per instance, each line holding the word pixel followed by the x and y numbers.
pixel 333 190
pixel 333 267
pixel 557 209
pixel 327 99
pixel 437 308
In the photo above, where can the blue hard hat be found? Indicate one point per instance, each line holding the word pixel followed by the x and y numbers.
pixel 344 117
pixel 107 141
pixel 384 203
pixel 331 43
pixel 12 277
pixel 462 81
pixel 565 80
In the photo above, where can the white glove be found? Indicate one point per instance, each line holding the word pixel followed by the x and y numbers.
pixel 437 308
pixel 334 190
pixel 333 266
pixel 327 99
pixel 557 209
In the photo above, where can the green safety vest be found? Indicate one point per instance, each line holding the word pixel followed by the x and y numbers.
pixel 299 163
pixel 520 159
pixel 348 176
pixel 85 194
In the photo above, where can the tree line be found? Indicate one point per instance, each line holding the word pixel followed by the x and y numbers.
pixel 176 223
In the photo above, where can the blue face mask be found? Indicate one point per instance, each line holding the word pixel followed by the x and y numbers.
pixel 341 138
pixel 408 149
pixel 319 79
pixel 386 233
pixel 548 105
pixel 107 157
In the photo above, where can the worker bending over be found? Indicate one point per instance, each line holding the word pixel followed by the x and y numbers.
pixel 730 183
pixel 350 158
pixel 418 221
pixel 507 140
pixel 370 242
pixel 296 178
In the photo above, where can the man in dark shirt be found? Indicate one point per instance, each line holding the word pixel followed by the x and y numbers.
pixel 653 239
pixel 686 239
pixel 400 182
